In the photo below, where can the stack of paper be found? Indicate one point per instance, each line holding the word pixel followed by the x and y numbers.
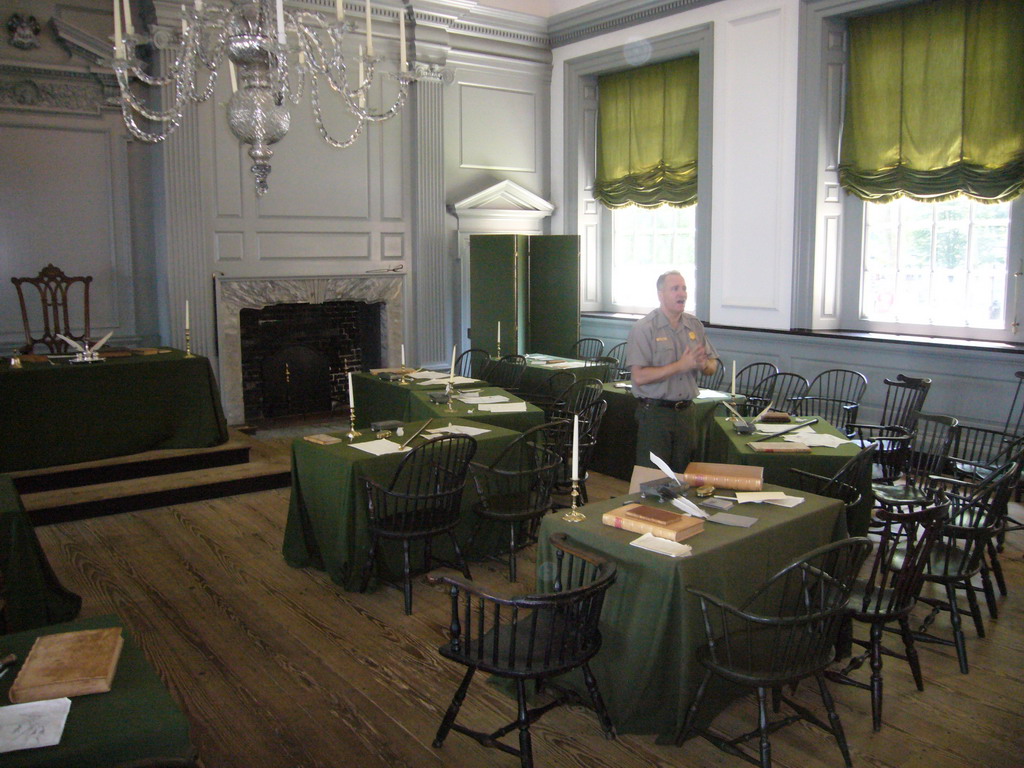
pixel 482 399
pixel 380 447
pixel 662 546
pixel 503 407
pixel 458 429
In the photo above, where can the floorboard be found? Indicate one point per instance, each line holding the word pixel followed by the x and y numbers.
pixel 279 667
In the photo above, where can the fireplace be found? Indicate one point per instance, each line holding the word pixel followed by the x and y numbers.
pixel 376 295
pixel 295 356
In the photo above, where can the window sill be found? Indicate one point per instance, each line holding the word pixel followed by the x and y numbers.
pixel 938 342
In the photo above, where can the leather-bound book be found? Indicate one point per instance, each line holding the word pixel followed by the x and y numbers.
pixel 641 518
pixel 68 664
pixel 737 477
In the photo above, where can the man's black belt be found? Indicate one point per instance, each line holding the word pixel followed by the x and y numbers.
pixel 676 404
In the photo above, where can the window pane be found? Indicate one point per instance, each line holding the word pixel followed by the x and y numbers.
pixel 941 264
pixel 645 243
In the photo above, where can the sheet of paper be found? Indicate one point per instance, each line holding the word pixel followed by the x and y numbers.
pixel 428 375
pixel 380 447
pixel 569 364
pixel 623 385
pixel 746 497
pixel 814 440
pixel 728 518
pixel 712 394
pixel 774 429
pixel 458 429
pixel 786 501
pixel 653 543
pixel 660 464
pixel 482 399
pixel 31 725
pixel 443 379
pixel 503 407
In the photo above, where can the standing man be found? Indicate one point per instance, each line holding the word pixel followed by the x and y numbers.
pixel 664 352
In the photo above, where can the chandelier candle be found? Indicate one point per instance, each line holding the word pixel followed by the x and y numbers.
pixel 369 32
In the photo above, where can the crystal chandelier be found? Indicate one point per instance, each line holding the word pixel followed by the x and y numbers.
pixel 273 57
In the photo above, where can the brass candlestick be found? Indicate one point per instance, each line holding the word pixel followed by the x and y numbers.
pixel 188 343
pixel 574 515
pixel 352 433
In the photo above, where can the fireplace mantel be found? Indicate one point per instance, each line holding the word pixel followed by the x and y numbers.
pixel 237 293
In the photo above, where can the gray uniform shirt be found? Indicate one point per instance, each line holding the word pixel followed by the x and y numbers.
pixel 653 342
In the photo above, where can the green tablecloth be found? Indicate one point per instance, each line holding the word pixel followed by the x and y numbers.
pixel 65 414
pixel 537 372
pixel 326 526
pixel 724 445
pixel 378 399
pixel 615 453
pixel 651 626
pixel 136 720
pixel 31 590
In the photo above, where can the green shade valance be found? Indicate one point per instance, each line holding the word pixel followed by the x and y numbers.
pixel 647 135
pixel 935 103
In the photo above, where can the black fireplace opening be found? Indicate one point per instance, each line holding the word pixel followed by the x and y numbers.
pixel 295 357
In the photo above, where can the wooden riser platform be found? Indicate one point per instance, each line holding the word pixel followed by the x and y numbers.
pixel 149 480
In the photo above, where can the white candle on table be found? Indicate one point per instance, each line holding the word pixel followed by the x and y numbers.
pixel 369 30
pixel 499 333
pixel 351 394
pixel 451 373
pixel 575 447
pixel 403 355
pixel 402 63
pixel 186 315
pixel 733 378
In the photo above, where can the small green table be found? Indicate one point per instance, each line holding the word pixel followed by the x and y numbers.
pixel 726 446
pixel 56 413
pixel 135 721
pixel 326 526
pixel 31 590
pixel 651 626
pixel 615 453
pixel 540 367
pixel 421 407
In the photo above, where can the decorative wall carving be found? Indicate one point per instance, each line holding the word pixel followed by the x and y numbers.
pixel 42 90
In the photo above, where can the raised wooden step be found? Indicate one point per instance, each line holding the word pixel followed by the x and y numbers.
pixel 235 451
pixel 66 504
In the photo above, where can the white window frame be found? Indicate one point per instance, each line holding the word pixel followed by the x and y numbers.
pixel 829 222
pixel 591 220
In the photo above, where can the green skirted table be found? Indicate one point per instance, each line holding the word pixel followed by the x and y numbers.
pixel 326 526
pixel 34 597
pixel 135 721
pixel 725 446
pixel 378 399
pixel 540 367
pixel 59 413
pixel 651 626
pixel 615 453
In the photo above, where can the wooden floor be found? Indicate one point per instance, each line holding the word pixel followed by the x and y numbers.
pixel 278 667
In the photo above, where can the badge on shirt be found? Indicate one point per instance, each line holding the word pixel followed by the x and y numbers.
pixel 662 338
pixel 693 336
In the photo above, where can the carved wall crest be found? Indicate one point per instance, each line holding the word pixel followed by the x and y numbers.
pixel 23 31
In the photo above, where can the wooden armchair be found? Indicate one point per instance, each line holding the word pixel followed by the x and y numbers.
pixel 53 289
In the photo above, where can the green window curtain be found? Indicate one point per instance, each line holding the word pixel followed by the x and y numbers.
pixel 647 135
pixel 935 103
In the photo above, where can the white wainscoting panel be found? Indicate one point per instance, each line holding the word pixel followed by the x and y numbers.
pixel 505 139
pixel 312 245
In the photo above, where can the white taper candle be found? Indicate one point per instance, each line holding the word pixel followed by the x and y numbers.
pixel 339 8
pixel 733 390
pixel 186 315
pixel 499 333
pixel 403 65
pixel 369 30
pixel 129 27
pixel 118 40
pixel 234 76
pixel 451 373
pixel 351 395
pixel 575 447
pixel 403 355
pixel 280 23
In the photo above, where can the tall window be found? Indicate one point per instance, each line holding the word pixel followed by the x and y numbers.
pixel 647 178
pixel 933 161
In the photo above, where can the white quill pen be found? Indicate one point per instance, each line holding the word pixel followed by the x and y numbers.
pixel 732 410
pixel 762 413
pixel 101 342
pixel 660 464
pixel 72 342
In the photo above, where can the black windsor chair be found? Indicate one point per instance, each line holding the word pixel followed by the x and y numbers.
pixel 473 364
pixel 751 375
pixel 835 396
pixel 712 381
pixel 553 391
pixel 888 594
pixel 590 418
pixel 507 373
pixel 618 352
pixel 515 489
pixel 784 633
pixel 529 638
pixel 421 501
pixel 586 349
pixel 782 390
